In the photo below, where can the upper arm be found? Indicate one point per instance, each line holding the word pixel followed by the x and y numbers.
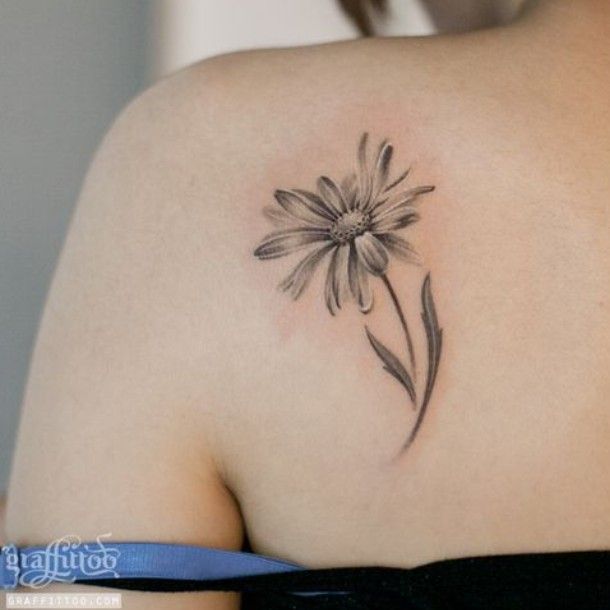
pixel 117 433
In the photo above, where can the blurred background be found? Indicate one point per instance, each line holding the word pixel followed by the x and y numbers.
pixel 67 67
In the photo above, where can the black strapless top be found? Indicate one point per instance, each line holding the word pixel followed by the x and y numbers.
pixel 546 581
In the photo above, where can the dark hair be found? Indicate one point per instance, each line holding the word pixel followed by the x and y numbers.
pixel 361 13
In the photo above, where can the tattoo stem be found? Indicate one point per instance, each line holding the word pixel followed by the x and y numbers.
pixel 403 322
pixel 416 427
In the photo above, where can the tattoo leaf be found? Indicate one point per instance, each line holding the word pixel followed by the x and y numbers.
pixel 392 364
pixel 434 336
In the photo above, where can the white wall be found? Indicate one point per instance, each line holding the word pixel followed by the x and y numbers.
pixel 188 30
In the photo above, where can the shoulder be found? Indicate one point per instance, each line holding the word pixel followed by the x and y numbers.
pixel 232 93
pixel 170 209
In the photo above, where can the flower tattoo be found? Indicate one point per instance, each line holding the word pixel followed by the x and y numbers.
pixel 355 225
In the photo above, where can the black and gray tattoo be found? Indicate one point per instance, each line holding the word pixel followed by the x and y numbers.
pixel 354 224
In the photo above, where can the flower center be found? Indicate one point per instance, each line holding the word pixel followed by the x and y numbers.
pixel 350 225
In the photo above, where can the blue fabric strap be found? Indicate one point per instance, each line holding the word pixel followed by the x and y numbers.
pixel 69 561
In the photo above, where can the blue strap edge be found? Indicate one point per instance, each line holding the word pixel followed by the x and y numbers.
pixel 70 560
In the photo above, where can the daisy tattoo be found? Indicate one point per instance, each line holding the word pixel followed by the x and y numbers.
pixel 355 225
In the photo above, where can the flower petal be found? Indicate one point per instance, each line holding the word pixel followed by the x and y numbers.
pixel 350 190
pixel 278 216
pixel 342 273
pixel 359 282
pixel 331 194
pixel 381 170
pixel 304 209
pixel 402 199
pixel 337 279
pixel 400 247
pixel 365 179
pixel 330 295
pixel 398 219
pixel 372 253
pixel 398 180
pixel 316 202
pixel 280 243
pixel 301 275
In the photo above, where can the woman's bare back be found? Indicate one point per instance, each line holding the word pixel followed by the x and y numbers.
pixel 207 400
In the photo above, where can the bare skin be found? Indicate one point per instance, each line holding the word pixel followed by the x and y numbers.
pixel 176 396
